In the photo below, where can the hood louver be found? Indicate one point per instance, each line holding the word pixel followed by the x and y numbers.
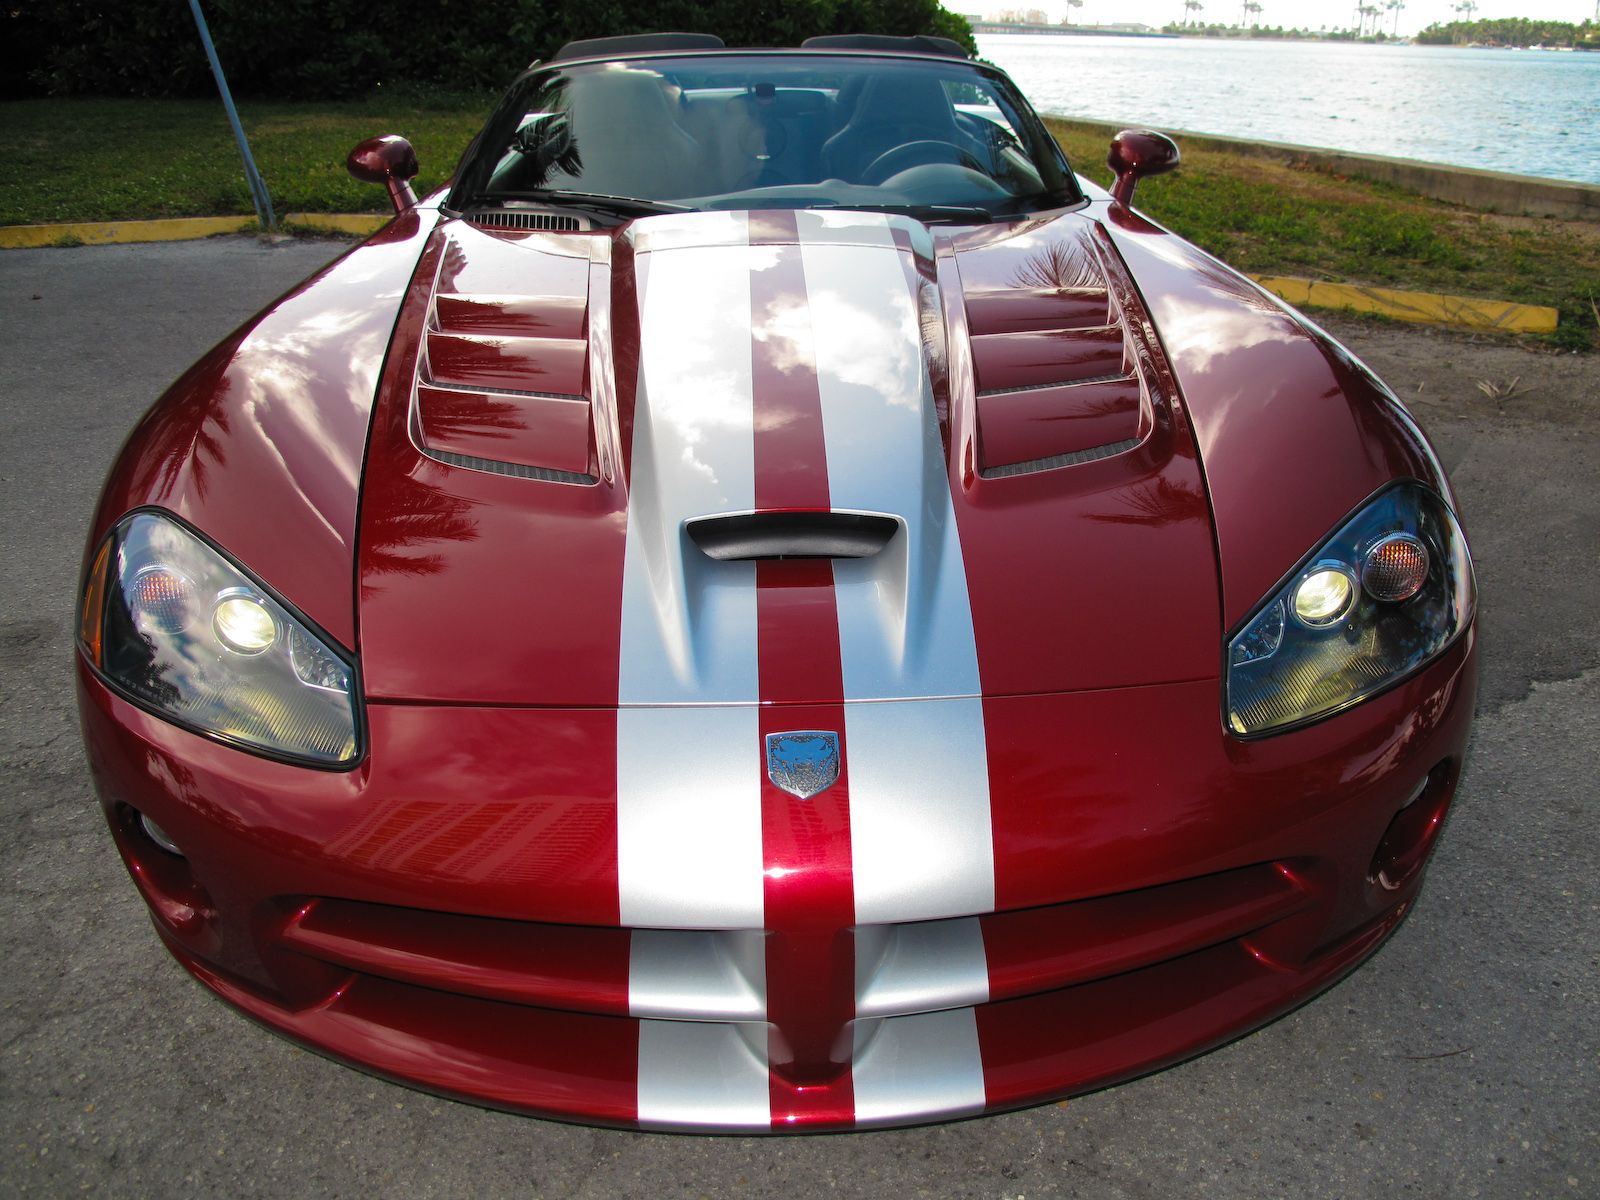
pixel 502 380
pixel 1056 378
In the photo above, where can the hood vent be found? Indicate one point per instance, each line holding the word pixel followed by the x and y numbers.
pixel 747 536
pixel 522 219
pixel 502 378
pixel 1057 382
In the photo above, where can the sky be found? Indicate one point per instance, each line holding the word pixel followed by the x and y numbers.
pixel 1306 14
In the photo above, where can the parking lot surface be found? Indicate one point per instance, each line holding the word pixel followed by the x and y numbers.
pixel 1460 1061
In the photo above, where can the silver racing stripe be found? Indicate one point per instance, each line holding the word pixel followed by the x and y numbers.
pixel 919 967
pixel 688 777
pixel 698 974
pixel 689 848
pixel 905 623
pixel 818 227
pixel 928 1065
pixel 688 621
pixel 921 841
pixel 696 1075
pixel 689 839
pixel 689 818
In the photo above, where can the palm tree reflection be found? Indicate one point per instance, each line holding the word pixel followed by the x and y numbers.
pixel 1062 265
pixel 188 435
pixel 1159 500
pixel 414 518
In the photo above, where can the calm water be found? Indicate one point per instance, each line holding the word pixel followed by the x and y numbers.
pixel 1533 112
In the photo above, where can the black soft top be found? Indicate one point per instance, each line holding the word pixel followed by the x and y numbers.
pixel 658 43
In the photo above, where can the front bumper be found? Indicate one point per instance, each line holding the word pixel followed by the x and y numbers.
pixel 447 914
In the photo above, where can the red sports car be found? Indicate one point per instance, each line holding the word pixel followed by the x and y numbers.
pixel 771 605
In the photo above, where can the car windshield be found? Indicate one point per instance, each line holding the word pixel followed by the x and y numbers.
pixel 935 138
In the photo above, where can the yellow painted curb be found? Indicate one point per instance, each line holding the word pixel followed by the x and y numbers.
pixel 1427 307
pixel 96 233
pixel 362 223
pixel 174 229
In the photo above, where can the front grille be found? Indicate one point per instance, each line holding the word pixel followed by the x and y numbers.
pixel 544 222
pixel 716 975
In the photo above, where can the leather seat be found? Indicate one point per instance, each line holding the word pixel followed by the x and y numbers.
pixel 891 111
pixel 627 139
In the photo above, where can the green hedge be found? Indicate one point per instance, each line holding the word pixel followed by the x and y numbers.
pixel 325 49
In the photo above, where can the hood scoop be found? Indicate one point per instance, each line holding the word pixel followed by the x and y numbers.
pixel 1055 373
pixel 501 384
pixel 743 537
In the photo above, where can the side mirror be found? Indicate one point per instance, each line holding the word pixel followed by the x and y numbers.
pixel 1136 153
pixel 388 160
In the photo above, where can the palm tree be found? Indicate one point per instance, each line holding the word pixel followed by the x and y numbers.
pixel 1072 4
pixel 1395 6
pixel 1369 10
pixel 1194 6
pixel 1252 9
pixel 1467 9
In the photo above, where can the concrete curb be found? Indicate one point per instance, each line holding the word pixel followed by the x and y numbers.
pixel 1427 307
pixel 174 229
pixel 1485 191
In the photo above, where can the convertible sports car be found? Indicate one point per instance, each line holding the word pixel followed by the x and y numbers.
pixel 771 605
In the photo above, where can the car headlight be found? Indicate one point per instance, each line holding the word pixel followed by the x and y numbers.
pixel 1390 589
pixel 183 632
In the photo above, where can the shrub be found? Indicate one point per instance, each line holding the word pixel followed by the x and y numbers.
pixel 326 49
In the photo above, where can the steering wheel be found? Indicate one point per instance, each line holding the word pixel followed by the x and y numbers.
pixel 917 154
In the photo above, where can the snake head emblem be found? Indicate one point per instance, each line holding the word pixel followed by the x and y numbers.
pixel 803 762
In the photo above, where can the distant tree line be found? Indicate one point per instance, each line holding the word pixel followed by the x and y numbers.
pixel 1511 31
pixel 326 49
pixel 1274 31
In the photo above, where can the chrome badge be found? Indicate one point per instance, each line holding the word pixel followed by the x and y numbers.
pixel 803 762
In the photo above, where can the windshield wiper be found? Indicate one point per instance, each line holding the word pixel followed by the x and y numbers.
pixel 595 200
pixel 967 213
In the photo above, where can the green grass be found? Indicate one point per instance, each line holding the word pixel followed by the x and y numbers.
pixel 102 160
pixel 1267 217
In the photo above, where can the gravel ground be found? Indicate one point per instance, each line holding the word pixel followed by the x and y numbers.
pixel 1461 1061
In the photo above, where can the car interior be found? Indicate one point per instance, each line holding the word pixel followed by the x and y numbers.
pixel 723 138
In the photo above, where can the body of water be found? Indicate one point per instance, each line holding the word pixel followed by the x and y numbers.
pixel 1531 112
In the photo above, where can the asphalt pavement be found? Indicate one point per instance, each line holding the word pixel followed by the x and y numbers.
pixel 1463 1060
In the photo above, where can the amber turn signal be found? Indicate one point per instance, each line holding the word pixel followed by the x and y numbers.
pixel 92 614
pixel 1395 568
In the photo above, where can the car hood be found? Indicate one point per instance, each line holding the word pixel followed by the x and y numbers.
pixel 984 416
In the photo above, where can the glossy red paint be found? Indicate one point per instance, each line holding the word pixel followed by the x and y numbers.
pixel 551 365
pixel 277 415
pixel 1136 521
pixel 526 430
pixel 437 586
pixel 550 966
pixel 1035 359
pixel 1293 432
pixel 447 913
pixel 1118 550
pixel 808 888
pixel 388 160
pixel 1098 833
pixel 1022 426
pixel 1136 153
